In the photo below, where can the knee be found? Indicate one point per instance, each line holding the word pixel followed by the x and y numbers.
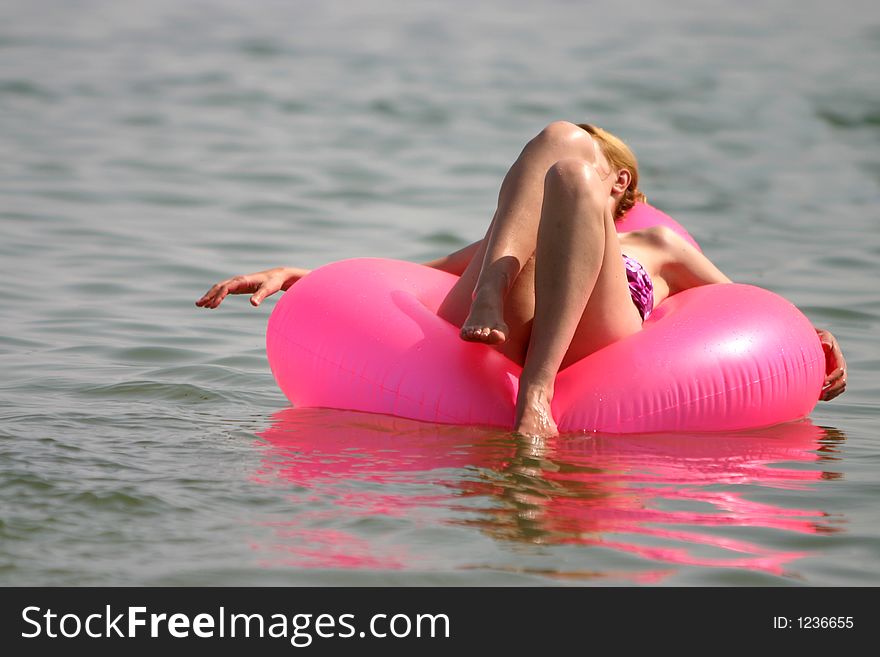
pixel 571 176
pixel 561 133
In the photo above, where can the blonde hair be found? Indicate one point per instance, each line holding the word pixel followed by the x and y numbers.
pixel 620 157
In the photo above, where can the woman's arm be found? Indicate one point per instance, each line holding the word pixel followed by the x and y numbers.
pixel 261 284
pixel 687 267
pixel 684 265
pixel 456 263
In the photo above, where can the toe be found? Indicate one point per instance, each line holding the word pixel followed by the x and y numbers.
pixel 496 336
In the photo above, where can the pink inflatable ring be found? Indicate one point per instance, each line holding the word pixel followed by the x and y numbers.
pixel 364 335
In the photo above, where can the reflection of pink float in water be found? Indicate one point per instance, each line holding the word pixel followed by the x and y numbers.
pixel 671 499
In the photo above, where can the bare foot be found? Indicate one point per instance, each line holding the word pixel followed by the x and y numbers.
pixel 533 414
pixel 485 322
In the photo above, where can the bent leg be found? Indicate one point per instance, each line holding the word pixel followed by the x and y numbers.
pixel 512 235
pixel 582 300
pixel 519 307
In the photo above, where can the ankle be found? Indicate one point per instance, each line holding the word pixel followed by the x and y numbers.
pixel 537 380
pixel 491 289
pixel 534 414
pixel 536 392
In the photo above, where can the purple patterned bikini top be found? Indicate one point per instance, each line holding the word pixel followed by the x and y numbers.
pixel 640 286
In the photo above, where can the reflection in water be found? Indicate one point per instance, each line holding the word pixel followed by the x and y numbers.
pixel 365 483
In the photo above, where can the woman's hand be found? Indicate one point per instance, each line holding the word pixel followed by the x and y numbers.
pixel 835 366
pixel 260 284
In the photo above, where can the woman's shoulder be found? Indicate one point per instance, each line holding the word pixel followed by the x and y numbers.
pixel 656 236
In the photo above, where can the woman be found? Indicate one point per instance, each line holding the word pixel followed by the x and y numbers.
pixel 552 281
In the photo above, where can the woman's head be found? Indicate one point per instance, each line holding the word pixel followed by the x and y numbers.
pixel 620 157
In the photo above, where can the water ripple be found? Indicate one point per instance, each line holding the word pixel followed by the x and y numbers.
pixel 152 390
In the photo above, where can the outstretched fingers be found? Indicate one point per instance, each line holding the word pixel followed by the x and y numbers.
pixel 213 297
pixel 219 291
pixel 267 289
pixel 260 285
